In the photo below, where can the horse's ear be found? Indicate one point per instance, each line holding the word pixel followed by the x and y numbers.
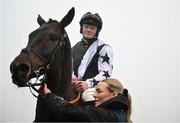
pixel 40 20
pixel 68 18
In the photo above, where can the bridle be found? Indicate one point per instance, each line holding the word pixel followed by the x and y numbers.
pixel 43 70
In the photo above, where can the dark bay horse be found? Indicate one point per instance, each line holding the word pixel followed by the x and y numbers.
pixel 47 53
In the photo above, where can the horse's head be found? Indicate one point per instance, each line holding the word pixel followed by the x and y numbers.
pixel 43 45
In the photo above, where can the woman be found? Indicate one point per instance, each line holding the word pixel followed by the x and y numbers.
pixel 112 104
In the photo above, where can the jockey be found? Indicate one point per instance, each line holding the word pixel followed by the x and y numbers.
pixel 92 58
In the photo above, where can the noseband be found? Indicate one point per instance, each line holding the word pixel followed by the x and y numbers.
pixel 44 69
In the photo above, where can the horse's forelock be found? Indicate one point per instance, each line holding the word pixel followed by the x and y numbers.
pixel 51 21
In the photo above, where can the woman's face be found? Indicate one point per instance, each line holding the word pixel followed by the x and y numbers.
pixel 88 31
pixel 103 94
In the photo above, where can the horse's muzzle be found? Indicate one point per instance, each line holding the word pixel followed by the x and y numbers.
pixel 20 73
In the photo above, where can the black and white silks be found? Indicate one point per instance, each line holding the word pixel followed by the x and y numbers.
pixel 94 63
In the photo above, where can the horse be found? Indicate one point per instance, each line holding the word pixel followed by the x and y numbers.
pixel 47 54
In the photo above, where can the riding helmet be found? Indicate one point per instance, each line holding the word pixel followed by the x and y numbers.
pixel 92 19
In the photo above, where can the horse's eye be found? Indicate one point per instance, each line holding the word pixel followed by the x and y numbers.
pixel 53 36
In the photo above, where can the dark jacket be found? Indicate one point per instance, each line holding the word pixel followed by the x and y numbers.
pixel 113 110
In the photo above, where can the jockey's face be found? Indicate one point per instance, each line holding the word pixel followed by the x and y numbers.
pixel 88 31
pixel 103 94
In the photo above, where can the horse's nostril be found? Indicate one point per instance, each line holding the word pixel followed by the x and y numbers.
pixel 23 69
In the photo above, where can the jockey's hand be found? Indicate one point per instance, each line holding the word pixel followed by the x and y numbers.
pixel 74 79
pixel 80 86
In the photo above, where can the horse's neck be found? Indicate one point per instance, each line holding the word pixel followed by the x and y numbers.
pixel 57 87
pixel 58 80
pixel 59 77
pixel 54 84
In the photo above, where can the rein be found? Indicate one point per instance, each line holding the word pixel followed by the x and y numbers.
pixel 32 85
pixel 75 100
pixel 41 82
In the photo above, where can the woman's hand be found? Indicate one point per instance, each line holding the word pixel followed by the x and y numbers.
pixel 45 89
